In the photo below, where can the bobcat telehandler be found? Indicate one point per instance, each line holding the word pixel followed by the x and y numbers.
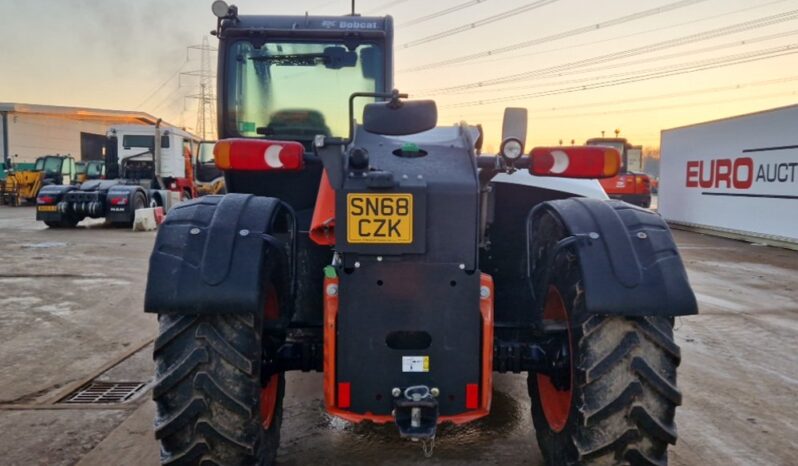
pixel 360 239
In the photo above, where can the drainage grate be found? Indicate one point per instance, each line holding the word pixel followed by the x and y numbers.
pixel 104 392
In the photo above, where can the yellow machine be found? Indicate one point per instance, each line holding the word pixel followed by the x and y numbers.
pixel 23 186
pixel 207 176
pixel 213 187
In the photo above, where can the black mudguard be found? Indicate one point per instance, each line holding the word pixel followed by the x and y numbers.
pixel 120 214
pixel 627 256
pixel 214 254
pixel 56 191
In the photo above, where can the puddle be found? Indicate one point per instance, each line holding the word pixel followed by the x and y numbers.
pixel 22 301
pixel 90 282
pixel 60 309
pixel 45 245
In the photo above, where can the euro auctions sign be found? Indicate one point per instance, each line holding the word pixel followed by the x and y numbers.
pixel 738 174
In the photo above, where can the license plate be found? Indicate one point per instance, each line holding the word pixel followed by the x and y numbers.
pixel 47 208
pixel 379 218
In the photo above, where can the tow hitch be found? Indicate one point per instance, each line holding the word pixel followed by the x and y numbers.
pixel 416 415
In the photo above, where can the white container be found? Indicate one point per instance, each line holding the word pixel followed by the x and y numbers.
pixel 738 175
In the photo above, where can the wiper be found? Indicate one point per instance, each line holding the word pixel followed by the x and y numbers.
pixel 297 59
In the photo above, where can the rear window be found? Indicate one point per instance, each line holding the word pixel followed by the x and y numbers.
pixel 145 142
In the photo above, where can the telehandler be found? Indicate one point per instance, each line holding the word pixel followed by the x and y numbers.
pixel 360 239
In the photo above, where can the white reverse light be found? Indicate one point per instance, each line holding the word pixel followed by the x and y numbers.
pixel 512 149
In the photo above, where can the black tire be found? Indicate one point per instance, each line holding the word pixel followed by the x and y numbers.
pixel 208 391
pixel 68 221
pixel 622 381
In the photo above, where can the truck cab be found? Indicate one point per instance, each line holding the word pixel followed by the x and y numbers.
pixel 630 184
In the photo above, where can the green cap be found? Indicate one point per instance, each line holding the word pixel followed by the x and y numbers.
pixel 409 147
pixel 329 272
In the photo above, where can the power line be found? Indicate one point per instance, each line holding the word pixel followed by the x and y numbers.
pixel 158 89
pixel 685 40
pixel 670 95
pixel 481 22
pixel 561 35
pixel 661 107
pixel 712 48
pixel 444 12
pixel 594 43
pixel 693 67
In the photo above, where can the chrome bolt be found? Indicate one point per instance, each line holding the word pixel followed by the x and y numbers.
pixel 244 232
pixel 642 235
pixel 357 265
pixel 404 177
pixel 379 258
pixel 420 177
pixel 396 392
pixel 484 292
pixel 332 289
pixel 593 235
pixel 462 266
pixel 434 392
pixel 194 231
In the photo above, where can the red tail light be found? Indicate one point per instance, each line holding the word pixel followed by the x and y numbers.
pixel 119 200
pixel 45 199
pixel 472 396
pixel 575 162
pixel 259 155
pixel 344 394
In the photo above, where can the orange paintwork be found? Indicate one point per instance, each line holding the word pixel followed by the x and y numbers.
pixel 322 226
pixel 330 323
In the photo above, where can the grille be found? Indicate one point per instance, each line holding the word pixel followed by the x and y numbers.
pixel 104 392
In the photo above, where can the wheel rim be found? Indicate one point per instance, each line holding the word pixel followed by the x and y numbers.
pixel 556 404
pixel 268 394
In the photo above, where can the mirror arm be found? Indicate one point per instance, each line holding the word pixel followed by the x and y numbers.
pixel 393 95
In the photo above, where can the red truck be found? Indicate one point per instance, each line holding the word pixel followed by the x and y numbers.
pixel 630 184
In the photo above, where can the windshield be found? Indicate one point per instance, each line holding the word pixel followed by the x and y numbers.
pixel 297 90
pixel 80 168
pixel 94 169
pixel 206 152
pixel 52 165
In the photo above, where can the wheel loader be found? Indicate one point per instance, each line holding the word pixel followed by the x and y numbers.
pixel 360 239
pixel 22 186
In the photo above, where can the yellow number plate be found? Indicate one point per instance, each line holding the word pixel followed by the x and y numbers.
pixel 379 218
pixel 47 208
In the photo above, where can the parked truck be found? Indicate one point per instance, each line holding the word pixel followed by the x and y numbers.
pixel 362 240
pixel 145 174
pixel 631 184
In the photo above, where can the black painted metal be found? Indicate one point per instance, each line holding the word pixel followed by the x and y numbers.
pixel 629 262
pixel 379 298
pixel 213 255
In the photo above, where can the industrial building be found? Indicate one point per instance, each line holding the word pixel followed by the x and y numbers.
pixel 28 131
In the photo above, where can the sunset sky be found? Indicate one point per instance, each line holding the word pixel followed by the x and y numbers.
pixel 579 66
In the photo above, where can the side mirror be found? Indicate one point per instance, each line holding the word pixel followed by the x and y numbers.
pixel 336 58
pixel 513 133
pixel 371 63
pixel 400 118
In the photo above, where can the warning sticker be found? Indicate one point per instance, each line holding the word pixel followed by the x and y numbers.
pixel 415 363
